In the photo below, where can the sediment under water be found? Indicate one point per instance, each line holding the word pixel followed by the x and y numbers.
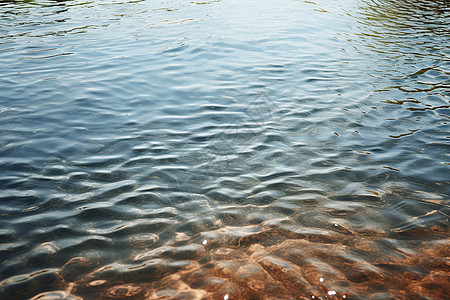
pixel 251 263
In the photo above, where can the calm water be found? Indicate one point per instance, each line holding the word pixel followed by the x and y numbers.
pixel 224 149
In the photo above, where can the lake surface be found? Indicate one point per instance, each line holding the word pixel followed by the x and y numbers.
pixel 224 149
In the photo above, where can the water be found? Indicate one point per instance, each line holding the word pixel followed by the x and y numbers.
pixel 224 149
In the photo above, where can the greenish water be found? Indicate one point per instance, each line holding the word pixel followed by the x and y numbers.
pixel 224 149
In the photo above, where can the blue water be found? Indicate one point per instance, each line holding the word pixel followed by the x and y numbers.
pixel 224 149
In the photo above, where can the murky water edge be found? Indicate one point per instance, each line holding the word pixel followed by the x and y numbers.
pixel 224 149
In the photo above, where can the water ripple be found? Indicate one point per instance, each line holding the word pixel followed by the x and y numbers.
pixel 224 150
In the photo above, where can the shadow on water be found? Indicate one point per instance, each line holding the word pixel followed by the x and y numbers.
pixel 37 3
pixel 411 38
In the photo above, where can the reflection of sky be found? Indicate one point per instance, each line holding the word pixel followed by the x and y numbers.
pixel 252 34
pixel 144 15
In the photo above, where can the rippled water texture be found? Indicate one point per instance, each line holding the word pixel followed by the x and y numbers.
pixel 224 149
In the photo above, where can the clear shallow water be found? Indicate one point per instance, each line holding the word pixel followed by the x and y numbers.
pixel 224 150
